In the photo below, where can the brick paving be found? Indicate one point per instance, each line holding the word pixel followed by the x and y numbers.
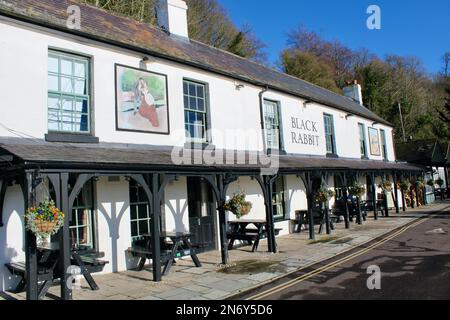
pixel 246 270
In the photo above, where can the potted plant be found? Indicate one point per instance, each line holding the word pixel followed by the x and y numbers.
pixel 357 190
pixel 238 205
pixel 405 185
pixel 324 194
pixel 44 220
pixel 385 185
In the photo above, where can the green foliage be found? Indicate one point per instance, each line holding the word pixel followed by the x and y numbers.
pixel 324 194
pixel 405 185
pixel 385 185
pixel 306 66
pixel 155 84
pixel 439 182
pixel 356 190
pixel 238 205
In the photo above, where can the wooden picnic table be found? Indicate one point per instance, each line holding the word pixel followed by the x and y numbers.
pixel 179 241
pixel 239 231
pixel 48 267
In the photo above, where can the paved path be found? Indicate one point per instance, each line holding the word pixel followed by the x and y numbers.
pixel 247 270
pixel 414 264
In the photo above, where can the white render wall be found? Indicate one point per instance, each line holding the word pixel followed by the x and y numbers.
pixel 23 79
pixel 12 236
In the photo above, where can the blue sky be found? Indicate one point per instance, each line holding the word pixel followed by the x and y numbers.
pixel 415 27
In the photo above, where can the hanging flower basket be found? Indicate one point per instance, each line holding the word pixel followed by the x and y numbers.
pixel 44 220
pixel 385 185
pixel 405 185
pixel 324 194
pixel 420 184
pixel 440 182
pixel 357 190
pixel 430 183
pixel 238 206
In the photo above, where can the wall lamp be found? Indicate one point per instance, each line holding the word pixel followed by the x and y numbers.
pixel 306 102
pixel 238 86
pixel 145 60
pixel 349 115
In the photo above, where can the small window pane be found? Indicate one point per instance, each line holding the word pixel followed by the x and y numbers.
pixel 53 83
pixel 53 64
pixel 80 70
pixel 67 85
pixel 80 87
pixel 143 227
pixel 200 92
pixel 134 229
pixel 66 67
pixel 192 91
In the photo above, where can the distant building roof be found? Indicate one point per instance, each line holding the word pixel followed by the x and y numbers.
pixel 423 152
pixel 103 26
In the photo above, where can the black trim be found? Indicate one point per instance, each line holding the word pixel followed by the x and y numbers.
pixel 70 137
pixel 332 155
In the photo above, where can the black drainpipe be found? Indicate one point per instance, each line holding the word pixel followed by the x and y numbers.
pixel 261 111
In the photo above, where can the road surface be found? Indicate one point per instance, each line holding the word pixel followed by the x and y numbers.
pixel 414 263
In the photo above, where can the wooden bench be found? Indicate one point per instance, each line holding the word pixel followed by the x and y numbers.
pixel 251 236
pixel 45 273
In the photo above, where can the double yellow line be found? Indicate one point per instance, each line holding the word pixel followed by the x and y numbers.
pixel 313 273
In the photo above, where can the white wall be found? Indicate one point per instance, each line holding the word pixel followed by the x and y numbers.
pixel 114 229
pixel 176 211
pixel 23 79
pixel 11 236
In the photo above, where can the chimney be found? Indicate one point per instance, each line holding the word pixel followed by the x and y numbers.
pixel 354 92
pixel 172 17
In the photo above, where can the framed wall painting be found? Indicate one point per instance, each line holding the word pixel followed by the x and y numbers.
pixel 141 101
pixel 374 142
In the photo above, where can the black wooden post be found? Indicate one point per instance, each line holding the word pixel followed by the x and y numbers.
pixel 30 241
pixel 374 197
pixel 156 244
pixel 359 215
pixel 446 182
pixel 222 221
pixel 397 209
pixel 327 218
pixel 346 213
pixel 64 238
pixel 3 187
pixel 268 182
pixel 310 200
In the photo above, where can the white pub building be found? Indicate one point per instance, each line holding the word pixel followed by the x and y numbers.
pixel 135 130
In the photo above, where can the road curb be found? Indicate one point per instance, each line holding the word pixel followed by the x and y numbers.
pixel 383 235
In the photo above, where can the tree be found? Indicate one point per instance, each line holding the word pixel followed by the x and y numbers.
pixel 208 23
pixel 308 67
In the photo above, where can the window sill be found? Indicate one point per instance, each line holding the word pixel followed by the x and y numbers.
pixel 192 145
pixel 276 152
pixel 70 137
pixel 332 155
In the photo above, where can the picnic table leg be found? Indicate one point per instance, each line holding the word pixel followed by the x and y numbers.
pixel 21 286
pixel 44 289
pixel 230 246
pixel 85 272
pixel 141 264
pixel 170 260
pixel 193 255
pixel 255 245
